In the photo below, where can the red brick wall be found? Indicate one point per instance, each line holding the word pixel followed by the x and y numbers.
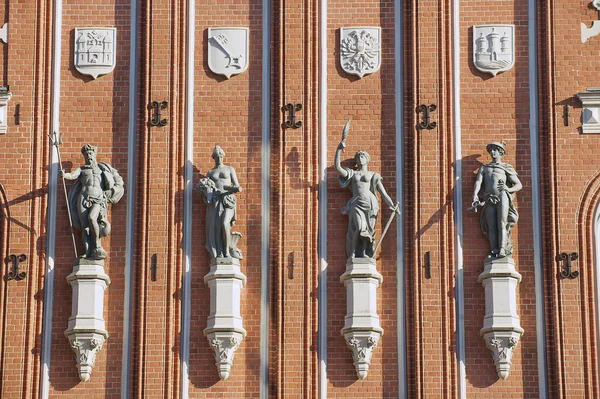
pixel 228 113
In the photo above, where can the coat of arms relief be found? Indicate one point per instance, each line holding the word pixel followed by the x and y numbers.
pixel 95 50
pixel 494 48
pixel 360 50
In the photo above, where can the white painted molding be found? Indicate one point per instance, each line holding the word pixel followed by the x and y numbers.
pixel 5 96
pixel 4 33
pixel 225 330
pixel 536 209
pixel 130 211
pixel 590 115
pixel 458 207
pixel 46 352
pixel 361 327
pixel 86 331
pixel 501 324
pixel 400 249
pixel 188 191
pixel 322 218
pixel 265 197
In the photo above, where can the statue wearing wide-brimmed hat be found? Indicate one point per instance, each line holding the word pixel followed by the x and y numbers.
pixel 496 183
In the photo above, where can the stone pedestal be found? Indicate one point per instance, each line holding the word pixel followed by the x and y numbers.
pixel 86 331
pixel 361 327
pixel 501 325
pixel 224 330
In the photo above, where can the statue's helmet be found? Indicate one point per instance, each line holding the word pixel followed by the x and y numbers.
pixel 501 145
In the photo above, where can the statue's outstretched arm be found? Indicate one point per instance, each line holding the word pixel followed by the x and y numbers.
pixel 71 176
pixel 336 160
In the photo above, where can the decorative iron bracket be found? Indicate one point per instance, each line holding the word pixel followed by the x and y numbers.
pixel 292 122
pixel 427 110
pixel 14 273
pixel 157 107
pixel 567 271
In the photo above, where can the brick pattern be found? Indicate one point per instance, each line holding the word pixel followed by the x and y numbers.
pixel 228 113
pixel 492 109
pixel 370 103
pixel 24 180
pixel 95 112
pixel 568 157
pixel 294 262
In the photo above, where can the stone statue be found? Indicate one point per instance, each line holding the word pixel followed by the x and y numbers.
pixel 217 190
pixel 496 182
pixel 363 207
pixel 97 184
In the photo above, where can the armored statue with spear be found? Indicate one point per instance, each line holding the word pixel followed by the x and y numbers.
pixel 97 185
pixel 363 207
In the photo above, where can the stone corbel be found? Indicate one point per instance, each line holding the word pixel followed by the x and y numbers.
pixel 86 331
pixel 501 324
pixel 361 327
pixel 224 330
pixel 590 116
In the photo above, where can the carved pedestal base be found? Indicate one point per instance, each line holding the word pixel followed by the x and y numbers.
pixel 361 327
pixel 501 325
pixel 224 330
pixel 86 331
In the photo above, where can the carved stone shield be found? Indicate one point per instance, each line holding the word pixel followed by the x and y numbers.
pixel 228 50
pixel 360 50
pixel 493 48
pixel 95 50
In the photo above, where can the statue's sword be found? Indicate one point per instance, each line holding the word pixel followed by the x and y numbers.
pixel 387 226
pixel 233 61
pixel 56 142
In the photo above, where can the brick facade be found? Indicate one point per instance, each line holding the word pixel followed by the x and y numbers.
pixel 432 315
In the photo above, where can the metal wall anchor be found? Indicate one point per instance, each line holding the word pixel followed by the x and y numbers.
pixel 14 273
pixel 157 107
pixel 291 122
pixel 426 110
pixel 567 271
pixel 427 266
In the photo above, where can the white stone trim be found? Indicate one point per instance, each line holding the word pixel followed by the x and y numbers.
pixel 130 215
pixel 536 211
pixel 597 275
pixel 590 114
pixel 322 224
pixel 265 200
pixel 188 191
pixel 44 388
pixel 400 264
pixel 458 207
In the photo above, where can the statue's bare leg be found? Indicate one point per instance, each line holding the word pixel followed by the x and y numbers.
pixel 96 251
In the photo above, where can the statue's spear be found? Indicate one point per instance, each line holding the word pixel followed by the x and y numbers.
pixel 56 142
pixel 387 226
